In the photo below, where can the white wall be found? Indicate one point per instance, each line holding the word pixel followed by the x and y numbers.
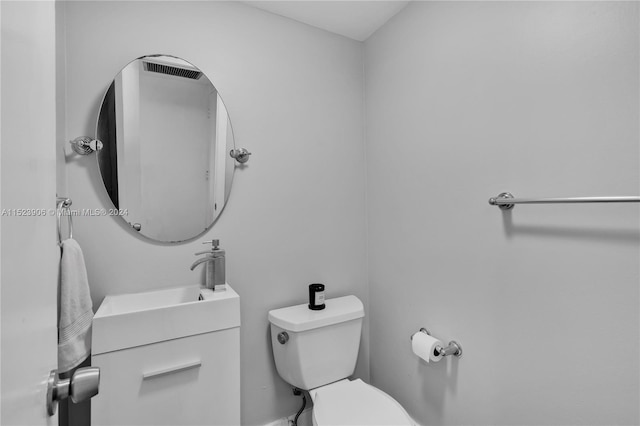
pixel 465 100
pixel 296 214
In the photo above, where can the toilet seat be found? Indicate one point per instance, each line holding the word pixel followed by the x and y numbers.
pixel 356 403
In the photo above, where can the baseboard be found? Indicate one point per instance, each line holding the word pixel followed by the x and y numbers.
pixel 303 420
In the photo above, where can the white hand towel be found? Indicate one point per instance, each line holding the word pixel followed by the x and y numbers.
pixel 76 308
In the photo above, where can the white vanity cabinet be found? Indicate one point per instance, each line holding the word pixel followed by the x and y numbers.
pixel 184 371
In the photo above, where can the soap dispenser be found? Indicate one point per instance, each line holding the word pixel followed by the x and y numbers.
pixel 215 278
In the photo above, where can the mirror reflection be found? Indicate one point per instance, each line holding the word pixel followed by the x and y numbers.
pixel 166 140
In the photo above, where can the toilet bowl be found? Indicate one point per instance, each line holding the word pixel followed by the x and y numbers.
pixel 356 403
pixel 316 350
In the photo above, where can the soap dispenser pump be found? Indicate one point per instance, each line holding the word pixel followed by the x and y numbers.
pixel 215 278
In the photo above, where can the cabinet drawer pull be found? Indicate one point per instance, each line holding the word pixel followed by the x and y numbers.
pixel 171 370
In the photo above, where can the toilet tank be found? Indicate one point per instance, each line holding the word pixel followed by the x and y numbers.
pixel 322 346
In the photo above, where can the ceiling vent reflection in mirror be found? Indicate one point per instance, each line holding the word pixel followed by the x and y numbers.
pixel 171 70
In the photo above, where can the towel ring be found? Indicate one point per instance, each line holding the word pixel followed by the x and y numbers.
pixel 64 203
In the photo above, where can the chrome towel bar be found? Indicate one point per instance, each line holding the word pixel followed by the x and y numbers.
pixel 507 201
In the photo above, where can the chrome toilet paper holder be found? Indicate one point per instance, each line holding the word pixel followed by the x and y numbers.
pixel 453 348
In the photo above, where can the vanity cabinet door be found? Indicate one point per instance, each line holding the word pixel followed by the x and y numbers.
pixel 194 380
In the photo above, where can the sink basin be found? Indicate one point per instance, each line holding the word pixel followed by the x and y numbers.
pixel 129 320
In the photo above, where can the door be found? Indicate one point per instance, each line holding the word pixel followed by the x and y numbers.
pixel 29 254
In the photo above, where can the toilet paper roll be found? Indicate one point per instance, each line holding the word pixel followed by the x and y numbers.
pixel 424 346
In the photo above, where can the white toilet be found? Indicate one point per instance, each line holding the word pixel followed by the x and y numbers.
pixel 317 351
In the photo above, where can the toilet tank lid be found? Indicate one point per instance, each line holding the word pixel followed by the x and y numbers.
pixel 301 318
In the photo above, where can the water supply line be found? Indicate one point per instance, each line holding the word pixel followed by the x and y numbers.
pixel 297 391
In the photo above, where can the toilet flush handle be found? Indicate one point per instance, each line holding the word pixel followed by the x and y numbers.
pixel 283 337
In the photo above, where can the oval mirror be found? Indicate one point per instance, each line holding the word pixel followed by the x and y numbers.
pixel 166 139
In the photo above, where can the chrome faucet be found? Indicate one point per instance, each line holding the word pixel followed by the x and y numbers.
pixel 215 270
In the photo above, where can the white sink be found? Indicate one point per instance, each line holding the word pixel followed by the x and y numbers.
pixel 128 320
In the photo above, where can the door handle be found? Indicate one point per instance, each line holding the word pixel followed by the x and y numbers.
pixel 83 384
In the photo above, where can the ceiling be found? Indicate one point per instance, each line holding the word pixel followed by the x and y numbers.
pixel 356 19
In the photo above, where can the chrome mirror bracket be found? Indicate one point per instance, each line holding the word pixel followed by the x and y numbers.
pixel 241 155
